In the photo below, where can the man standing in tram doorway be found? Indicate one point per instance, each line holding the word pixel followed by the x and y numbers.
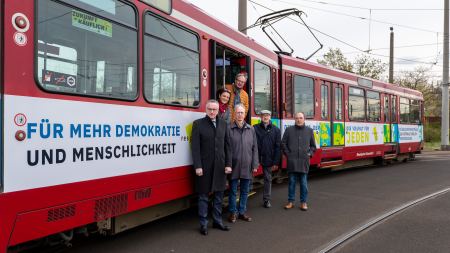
pixel 269 139
pixel 238 94
pixel 298 145
pixel 211 153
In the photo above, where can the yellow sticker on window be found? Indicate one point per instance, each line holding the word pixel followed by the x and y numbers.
pixel 91 23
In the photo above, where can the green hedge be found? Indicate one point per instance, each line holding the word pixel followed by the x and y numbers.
pixel 432 132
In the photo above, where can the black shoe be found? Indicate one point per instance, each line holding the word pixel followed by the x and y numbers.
pixel 221 227
pixel 267 204
pixel 203 230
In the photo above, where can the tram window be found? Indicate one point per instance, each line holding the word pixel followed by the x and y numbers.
pixel 356 103
pixel 373 106
pixel 82 53
pixel 394 108
pixel 171 63
pixel 263 91
pixel 324 101
pixel 404 110
pixel 338 103
pixel 304 95
pixel 414 116
pixel 386 109
pixel 228 64
pixel 288 104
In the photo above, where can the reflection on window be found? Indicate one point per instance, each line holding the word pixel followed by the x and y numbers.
pixel 386 109
pixel 171 69
pixel 404 110
pixel 356 104
pixel 304 95
pixel 324 101
pixel 394 108
pixel 263 96
pixel 81 53
pixel 338 103
pixel 373 106
pixel 414 116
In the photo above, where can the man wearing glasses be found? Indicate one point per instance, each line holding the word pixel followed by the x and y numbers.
pixel 298 145
pixel 245 162
pixel 238 94
pixel 211 153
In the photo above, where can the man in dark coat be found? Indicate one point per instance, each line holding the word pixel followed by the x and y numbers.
pixel 269 139
pixel 299 146
pixel 211 153
pixel 245 162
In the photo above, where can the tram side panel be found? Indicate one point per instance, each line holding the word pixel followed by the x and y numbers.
pixel 72 160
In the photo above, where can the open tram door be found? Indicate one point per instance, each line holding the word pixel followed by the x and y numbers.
pixel 225 64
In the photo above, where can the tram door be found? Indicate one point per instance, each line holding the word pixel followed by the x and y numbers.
pixel 393 119
pixel 387 119
pixel 337 115
pixel 225 64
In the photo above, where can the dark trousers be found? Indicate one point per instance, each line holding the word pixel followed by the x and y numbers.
pixel 203 208
pixel 267 183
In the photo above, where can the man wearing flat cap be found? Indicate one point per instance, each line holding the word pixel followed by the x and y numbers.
pixel 269 141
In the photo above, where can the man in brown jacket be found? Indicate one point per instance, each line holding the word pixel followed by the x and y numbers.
pixel 238 94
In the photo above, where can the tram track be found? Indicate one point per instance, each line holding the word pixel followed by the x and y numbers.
pixel 334 244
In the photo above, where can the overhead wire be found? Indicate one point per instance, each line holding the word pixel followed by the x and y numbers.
pixel 377 9
pixel 360 18
pixel 344 42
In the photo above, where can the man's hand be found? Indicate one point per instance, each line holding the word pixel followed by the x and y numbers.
pixel 255 170
pixel 274 167
pixel 199 172
pixel 228 170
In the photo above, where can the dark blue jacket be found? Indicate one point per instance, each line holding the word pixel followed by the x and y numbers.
pixel 269 141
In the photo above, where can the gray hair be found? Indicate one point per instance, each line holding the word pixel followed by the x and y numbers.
pixel 241 74
pixel 211 101
pixel 239 105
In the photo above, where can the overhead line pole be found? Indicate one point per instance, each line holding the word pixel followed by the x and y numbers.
pixel 391 57
pixel 445 109
pixel 242 18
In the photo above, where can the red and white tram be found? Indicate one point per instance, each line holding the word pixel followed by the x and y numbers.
pixel 98 98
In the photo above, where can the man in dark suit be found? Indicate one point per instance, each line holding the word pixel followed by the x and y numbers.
pixel 211 153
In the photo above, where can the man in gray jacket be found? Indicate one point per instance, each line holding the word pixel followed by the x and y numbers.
pixel 244 162
pixel 298 145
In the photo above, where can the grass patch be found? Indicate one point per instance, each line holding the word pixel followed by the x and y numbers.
pixel 432 145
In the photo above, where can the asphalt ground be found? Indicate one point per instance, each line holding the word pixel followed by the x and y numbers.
pixel 339 202
pixel 422 228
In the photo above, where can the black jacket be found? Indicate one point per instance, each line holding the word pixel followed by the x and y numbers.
pixel 298 145
pixel 269 139
pixel 211 151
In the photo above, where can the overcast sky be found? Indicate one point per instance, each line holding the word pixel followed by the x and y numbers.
pixel 418 27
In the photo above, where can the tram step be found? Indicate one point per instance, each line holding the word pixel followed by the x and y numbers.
pixel 390 156
pixel 331 164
